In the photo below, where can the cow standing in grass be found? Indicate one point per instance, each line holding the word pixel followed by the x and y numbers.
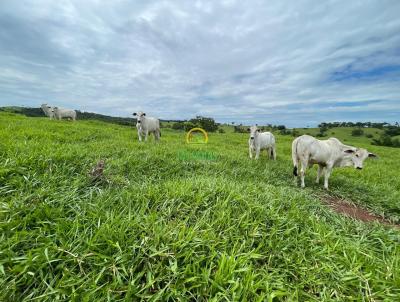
pixel 61 113
pixel 327 154
pixel 48 110
pixel 261 141
pixel 146 125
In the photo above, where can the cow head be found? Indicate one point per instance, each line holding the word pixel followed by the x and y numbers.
pixel 253 132
pixel 140 116
pixel 45 106
pixel 356 157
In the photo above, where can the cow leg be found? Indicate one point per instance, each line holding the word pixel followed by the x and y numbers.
pixel 328 171
pixel 296 177
pixel 273 151
pixel 303 172
pixel 146 135
pixel 250 152
pixel 139 136
pixel 257 153
pixel 319 173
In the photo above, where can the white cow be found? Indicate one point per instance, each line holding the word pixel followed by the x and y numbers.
pixel 60 113
pixel 48 110
pixel 146 125
pixel 327 154
pixel 261 141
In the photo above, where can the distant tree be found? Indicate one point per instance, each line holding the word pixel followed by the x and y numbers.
pixel 207 123
pixel 386 140
pixel 322 130
pixel 178 126
pixel 239 129
pixel 285 131
pixel 392 131
pixel 221 130
pixel 189 125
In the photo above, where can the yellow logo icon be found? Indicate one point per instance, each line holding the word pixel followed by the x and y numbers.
pixel 193 137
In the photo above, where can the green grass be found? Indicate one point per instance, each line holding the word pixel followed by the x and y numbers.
pixel 177 222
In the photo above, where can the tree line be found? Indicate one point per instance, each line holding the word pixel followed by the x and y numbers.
pixel 356 124
pixel 389 137
pixel 206 123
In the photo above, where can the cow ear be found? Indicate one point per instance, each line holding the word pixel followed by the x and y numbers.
pixel 349 151
pixel 144 114
pixel 371 155
pixel 258 130
pixel 248 129
pixel 134 113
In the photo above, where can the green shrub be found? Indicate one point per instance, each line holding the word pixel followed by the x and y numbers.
pixel 206 123
pixel 357 132
pixel 178 126
pixel 239 129
pixel 386 140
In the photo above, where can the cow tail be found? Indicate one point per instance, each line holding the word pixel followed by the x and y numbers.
pixel 294 157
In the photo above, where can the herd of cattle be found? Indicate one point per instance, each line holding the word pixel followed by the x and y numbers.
pixel 58 113
pixel 306 150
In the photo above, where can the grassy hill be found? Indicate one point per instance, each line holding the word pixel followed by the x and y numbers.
pixel 344 133
pixel 185 222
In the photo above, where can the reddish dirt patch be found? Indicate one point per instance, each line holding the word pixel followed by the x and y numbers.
pixel 343 207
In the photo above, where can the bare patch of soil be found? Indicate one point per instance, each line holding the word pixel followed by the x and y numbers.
pixel 343 207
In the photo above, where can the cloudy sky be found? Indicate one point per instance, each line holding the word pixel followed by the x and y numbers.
pixel 288 62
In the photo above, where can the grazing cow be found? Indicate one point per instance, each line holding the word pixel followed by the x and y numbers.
pixel 146 125
pixel 61 113
pixel 327 154
pixel 48 110
pixel 261 140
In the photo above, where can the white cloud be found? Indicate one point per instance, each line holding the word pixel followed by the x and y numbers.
pixel 283 62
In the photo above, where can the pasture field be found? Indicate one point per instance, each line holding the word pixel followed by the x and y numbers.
pixel 178 222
